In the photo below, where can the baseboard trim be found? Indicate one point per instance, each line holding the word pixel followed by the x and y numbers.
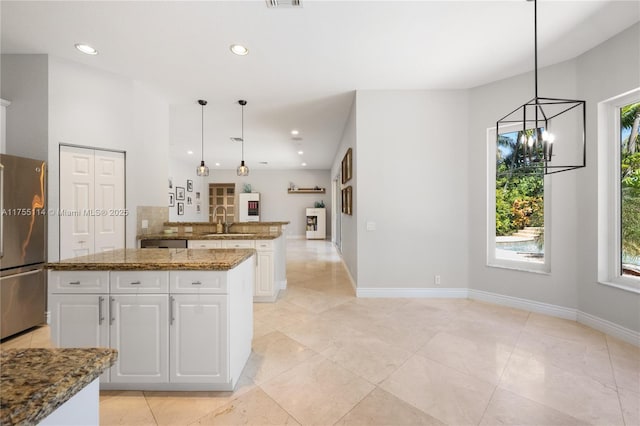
pixel 436 293
pixel 351 280
pixel 525 304
pixel 609 328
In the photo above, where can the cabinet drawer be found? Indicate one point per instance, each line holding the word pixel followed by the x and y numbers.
pixel 78 281
pixel 264 245
pixel 206 244
pixel 214 282
pixel 238 244
pixel 139 281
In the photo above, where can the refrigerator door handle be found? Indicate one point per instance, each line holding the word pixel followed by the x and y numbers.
pixel 1 211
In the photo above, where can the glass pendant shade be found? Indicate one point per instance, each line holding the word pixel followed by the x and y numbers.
pixel 202 170
pixel 242 169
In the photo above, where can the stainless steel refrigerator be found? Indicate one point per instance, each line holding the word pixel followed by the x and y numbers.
pixel 23 292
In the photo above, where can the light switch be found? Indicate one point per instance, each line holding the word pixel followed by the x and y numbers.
pixel 371 226
pixel 145 224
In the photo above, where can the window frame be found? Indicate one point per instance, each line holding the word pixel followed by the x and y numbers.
pixel 492 260
pixel 609 207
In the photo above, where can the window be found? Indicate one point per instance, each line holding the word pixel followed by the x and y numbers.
pixel 619 191
pixel 517 237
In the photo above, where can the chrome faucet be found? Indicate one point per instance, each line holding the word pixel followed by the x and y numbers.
pixel 224 210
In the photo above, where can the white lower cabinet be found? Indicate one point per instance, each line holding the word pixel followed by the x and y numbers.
pixel 187 338
pixel 264 286
pixel 198 355
pixel 140 332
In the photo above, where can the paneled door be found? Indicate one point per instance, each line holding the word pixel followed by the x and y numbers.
pixel 92 201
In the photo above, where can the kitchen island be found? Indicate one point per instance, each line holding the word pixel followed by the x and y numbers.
pixel 51 386
pixel 180 319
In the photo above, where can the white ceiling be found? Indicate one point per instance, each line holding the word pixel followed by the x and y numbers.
pixel 304 64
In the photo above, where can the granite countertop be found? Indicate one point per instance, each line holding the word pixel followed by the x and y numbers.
pixel 36 381
pixel 210 236
pixel 156 260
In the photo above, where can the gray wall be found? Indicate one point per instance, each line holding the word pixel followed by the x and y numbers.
pixel 609 69
pixel 25 84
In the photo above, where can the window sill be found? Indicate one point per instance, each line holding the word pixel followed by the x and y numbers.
pixel 521 268
pixel 630 287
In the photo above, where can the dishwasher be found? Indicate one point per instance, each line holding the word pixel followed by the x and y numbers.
pixel 163 244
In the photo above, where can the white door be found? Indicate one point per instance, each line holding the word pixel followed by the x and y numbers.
pixel 199 341
pixel 264 284
pixel 109 201
pixel 92 188
pixel 140 333
pixel 79 320
pixel 76 202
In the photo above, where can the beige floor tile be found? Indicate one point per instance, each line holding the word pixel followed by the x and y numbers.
pixel 496 313
pixel 367 356
pixel 41 338
pixel 440 391
pixel 319 334
pixel 18 342
pixel 480 359
pixel 318 391
pixel 273 354
pixel 630 403
pixel 625 359
pixel 485 331
pixel 283 315
pixel 314 301
pixel 380 408
pixel 575 394
pixel 252 408
pixel 506 408
pixel 182 408
pixel 564 329
pixel 124 408
pixel 582 358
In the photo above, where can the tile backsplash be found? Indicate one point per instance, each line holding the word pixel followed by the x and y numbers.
pixel 156 217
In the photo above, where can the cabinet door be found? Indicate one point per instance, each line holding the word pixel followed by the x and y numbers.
pixel 237 244
pixel 79 320
pixel 205 244
pixel 264 286
pixel 199 339
pixel 140 333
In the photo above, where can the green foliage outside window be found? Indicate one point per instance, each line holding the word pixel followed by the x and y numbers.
pixel 630 186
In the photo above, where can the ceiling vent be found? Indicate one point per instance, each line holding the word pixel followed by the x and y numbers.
pixel 283 3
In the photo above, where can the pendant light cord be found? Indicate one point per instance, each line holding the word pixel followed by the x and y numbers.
pixel 535 44
pixel 202 132
pixel 242 127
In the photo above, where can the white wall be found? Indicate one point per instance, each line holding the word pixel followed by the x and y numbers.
pixel 275 203
pixel 93 108
pixel 411 168
pixel 487 104
pixel 24 83
pixel 609 69
pixel 348 223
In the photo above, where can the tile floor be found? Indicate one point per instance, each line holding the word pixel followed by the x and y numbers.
pixel 322 357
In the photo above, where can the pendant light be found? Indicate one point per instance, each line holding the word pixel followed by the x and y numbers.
pixel 242 169
pixel 543 123
pixel 202 170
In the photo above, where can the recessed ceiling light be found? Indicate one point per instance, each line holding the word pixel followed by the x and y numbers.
pixel 190 152
pixel 300 152
pixel 217 164
pixel 295 132
pixel 303 164
pixel 85 48
pixel 239 49
pixel 264 162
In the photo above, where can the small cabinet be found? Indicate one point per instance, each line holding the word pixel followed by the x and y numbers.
pixel 204 244
pixel 237 244
pixel 140 332
pixel 198 334
pixel 316 224
pixel 79 320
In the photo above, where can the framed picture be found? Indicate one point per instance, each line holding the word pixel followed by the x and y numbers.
pixel 179 193
pixel 189 201
pixel 198 208
pixel 189 185
pixel 347 200
pixel 347 165
pixel 172 199
pixel 197 195
pixel 180 208
pixel 170 183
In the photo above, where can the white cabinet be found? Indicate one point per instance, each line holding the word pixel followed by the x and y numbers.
pixel 140 332
pixel 316 224
pixel 204 244
pixel 264 286
pixel 182 330
pixel 238 244
pixel 199 327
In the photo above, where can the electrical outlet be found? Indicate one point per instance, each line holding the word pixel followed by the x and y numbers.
pixel 436 279
pixel 145 224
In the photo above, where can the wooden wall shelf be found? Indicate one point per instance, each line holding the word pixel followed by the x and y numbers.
pixel 306 191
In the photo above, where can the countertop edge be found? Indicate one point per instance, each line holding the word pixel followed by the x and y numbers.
pixel 209 236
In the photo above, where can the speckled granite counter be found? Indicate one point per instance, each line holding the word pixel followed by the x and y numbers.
pixel 156 260
pixel 210 236
pixel 35 382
